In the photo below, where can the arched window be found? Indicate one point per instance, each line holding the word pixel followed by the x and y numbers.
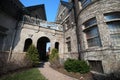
pixel 27 44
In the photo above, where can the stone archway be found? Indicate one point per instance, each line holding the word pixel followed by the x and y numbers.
pixel 41 46
pixel 28 42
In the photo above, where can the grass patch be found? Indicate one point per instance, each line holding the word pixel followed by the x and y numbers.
pixel 31 74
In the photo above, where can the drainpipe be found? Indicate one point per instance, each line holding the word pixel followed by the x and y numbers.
pixel 77 30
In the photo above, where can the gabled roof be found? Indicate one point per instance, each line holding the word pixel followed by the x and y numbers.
pixel 37 11
pixel 16 9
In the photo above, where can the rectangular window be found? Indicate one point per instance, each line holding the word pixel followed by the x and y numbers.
pixel 90 22
pixel 113 22
pixel 96 65
pixel 110 16
pixel 92 34
pixel 93 37
pixel 115 32
pixel 85 2
pixel 68 44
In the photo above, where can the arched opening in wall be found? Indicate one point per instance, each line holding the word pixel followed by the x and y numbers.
pixel 43 46
pixel 57 45
pixel 27 44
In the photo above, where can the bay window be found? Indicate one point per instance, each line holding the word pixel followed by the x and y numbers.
pixel 92 34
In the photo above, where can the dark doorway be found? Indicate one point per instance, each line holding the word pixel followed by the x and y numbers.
pixel 28 42
pixel 41 46
pixel 57 45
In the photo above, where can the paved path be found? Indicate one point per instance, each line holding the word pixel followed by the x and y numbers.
pixel 52 74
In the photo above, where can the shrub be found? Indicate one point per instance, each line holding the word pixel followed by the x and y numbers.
pixel 54 57
pixel 33 55
pixel 72 65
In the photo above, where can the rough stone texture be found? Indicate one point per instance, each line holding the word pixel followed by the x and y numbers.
pixel 3 61
pixel 16 61
pixel 67 19
pixel 36 32
pixel 108 53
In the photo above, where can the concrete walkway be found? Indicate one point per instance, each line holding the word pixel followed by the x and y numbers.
pixel 52 74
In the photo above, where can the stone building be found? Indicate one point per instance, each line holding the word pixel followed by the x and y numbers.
pixel 84 29
pixel 38 32
pixel 22 26
pixel 9 16
pixel 98 32
pixel 66 17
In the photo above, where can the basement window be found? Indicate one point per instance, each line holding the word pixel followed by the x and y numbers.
pixel 96 65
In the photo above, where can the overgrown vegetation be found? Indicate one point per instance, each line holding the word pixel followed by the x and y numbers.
pixel 32 74
pixel 73 65
pixel 33 55
pixel 54 57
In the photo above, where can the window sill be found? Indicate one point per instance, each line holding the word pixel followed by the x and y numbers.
pixel 114 33
pixel 94 47
pixel 112 20
pixel 98 48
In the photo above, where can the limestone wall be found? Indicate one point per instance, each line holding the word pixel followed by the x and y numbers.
pixel 35 33
pixel 16 61
pixel 108 54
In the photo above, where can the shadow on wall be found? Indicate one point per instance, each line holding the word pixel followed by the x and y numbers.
pixel 3 61
pixel 17 61
pixel 16 37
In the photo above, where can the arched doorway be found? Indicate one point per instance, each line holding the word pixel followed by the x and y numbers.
pixel 42 48
pixel 57 45
pixel 28 42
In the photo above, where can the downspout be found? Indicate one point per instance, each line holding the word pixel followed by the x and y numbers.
pixel 77 30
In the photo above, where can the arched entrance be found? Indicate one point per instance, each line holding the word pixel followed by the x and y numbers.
pixel 42 48
pixel 28 42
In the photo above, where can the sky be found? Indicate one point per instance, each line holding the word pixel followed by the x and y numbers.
pixel 51 7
